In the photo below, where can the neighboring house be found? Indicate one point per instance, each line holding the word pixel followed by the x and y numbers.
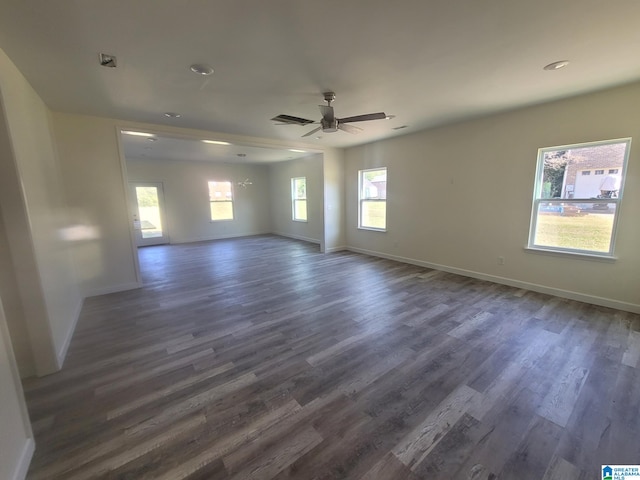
pixel 589 167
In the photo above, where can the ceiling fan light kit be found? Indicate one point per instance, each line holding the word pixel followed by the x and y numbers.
pixel 329 123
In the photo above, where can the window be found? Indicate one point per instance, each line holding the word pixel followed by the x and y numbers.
pixel 372 197
pixel 299 199
pixel 575 212
pixel 221 200
pixel 586 172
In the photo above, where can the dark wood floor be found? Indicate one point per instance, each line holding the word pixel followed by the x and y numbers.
pixel 260 358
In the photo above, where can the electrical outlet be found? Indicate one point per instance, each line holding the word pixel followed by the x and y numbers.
pixel 500 260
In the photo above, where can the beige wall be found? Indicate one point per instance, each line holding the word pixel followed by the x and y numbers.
pixel 16 439
pixel 186 195
pixel 334 200
pixel 460 196
pixel 280 197
pixel 35 216
pixel 94 183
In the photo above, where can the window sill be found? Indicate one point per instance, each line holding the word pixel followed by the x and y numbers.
pixel 581 255
pixel 372 229
pixel 299 221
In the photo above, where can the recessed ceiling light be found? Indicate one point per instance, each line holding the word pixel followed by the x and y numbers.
pixel 296 150
pixel 172 115
pixel 556 65
pixel 201 69
pixel 389 117
pixel 318 138
pixel 137 134
pixel 215 142
pixel 400 127
pixel 152 139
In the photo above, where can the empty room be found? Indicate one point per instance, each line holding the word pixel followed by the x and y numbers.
pixel 341 240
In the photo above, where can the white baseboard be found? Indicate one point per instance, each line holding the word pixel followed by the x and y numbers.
pixel 217 237
pixel 112 289
pixel 557 292
pixel 62 353
pixel 339 248
pixel 298 237
pixel 22 467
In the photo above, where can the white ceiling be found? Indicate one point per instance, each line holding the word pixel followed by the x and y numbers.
pixel 167 147
pixel 428 62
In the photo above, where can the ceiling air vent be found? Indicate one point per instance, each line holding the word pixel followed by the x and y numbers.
pixel 107 60
pixel 291 120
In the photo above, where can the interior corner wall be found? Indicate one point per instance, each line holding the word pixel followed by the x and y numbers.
pixel 35 218
pixel 16 439
pixel 282 223
pixel 14 312
pixel 186 197
pixel 460 196
pixel 334 200
pixel 93 181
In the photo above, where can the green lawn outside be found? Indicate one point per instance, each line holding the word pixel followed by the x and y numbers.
pixel 300 209
pixel 374 214
pixel 586 232
pixel 221 210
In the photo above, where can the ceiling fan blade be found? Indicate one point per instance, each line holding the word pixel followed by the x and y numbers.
pixel 327 112
pixel 349 128
pixel 291 120
pixel 312 132
pixel 364 118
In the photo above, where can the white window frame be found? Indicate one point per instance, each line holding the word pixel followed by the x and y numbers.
pixel 231 201
pixel 537 200
pixel 295 199
pixel 362 199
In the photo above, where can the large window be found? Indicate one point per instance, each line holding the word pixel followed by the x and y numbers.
pixel 299 199
pixel 221 200
pixel 372 199
pixel 577 195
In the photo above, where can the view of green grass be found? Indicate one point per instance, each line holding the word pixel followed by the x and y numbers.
pixel 587 232
pixel 221 210
pixel 300 207
pixel 374 214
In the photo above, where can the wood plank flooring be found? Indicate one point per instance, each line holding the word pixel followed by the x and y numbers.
pixel 260 358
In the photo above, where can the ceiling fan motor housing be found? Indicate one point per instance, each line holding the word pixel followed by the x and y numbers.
pixel 329 126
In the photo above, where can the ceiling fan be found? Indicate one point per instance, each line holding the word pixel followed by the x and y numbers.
pixel 329 122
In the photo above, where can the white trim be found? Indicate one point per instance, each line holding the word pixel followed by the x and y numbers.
pixel 22 467
pixel 220 237
pixel 113 288
pixel 557 292
pixel 585 255
pixel 339 248
pixel 62 354
pixel 298 237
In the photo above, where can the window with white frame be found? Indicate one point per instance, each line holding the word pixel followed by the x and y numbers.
pixel 372 199
pixel 575 205
pixel 221 200
pixel 299 199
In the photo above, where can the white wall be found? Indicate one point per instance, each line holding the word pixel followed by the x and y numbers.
pixel 334 200
pixel 460 196
pixel 16 439
pixel 280 175
pixel 94 184
pixel 35 214
pixel 186 195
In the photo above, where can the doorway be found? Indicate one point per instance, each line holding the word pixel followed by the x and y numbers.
pixel 148 214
